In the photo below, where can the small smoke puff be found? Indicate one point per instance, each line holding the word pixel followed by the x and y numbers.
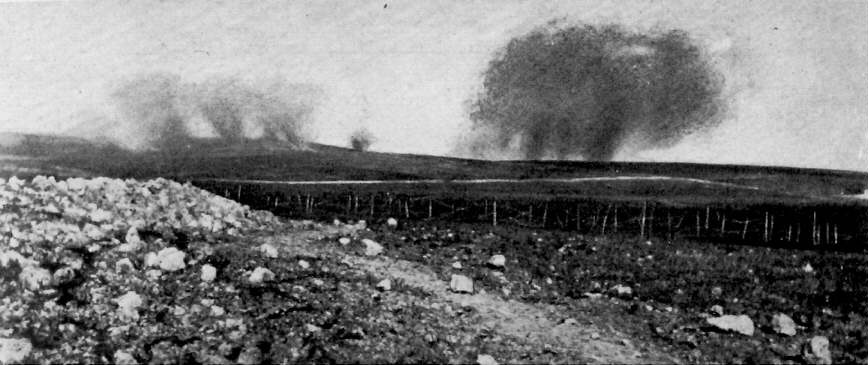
pixel 361 140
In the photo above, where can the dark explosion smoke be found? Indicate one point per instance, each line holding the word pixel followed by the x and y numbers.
pixel 166 113
pixel 588 90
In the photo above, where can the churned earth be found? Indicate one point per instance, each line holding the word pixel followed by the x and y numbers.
pixel 124 271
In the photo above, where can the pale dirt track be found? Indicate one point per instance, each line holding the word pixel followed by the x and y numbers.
pixel 536 323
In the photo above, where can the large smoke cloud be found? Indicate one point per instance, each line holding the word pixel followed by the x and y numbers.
pixel 161 111
pixel 587 91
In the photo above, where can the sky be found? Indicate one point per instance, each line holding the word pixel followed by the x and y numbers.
pixel 796 71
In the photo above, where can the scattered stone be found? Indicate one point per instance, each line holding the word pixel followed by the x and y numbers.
pixel 571 322
pixel 128 305
pixel 63 275
pixel 151 259
pixel 497 261
pixel 209 273
pixel 217 310
pixel 808 268
pixel 260 275
pixel 716 310
pixel 385 285
pixel 344 241
pixel 816 351
pixel 485 360
pixel 171 259
pixel 457 265
pixel 733 323
pixel 372 248
pixel 461 284
pixel 250 356
pixel 132 237
pixel 154 274
pixel 783 324
pixel 621 291
pixel 124 358
pixel 14 350
pixel 304 264
pixel 392 222
pixel 33 277
pixel 716 291
pixel 268 251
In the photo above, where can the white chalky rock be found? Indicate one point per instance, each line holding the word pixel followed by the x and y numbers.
pixel 268 250
pixel 497 261
pixel 128 305
pixel 151 259
pixel 372 248
pixel 304 264
pixel 259 275
pixel 392 222
pixel 154 274
pixel 132 237
pixel 344 241
pixel 808 268
pixel 456 265
pixel 740 324
pixel 385 285
pixel 217 310
pixel 171 259
pixel 622 291
pixel 33 277
pixel 461 284
pixel 783 324
pixel 124 358
pixel 208 273
pixel 100 215
pixel 485 360
pixel 14 350
pixel 716 309
pixel 816 351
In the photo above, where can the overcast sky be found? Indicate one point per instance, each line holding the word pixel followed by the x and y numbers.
pixel 796 71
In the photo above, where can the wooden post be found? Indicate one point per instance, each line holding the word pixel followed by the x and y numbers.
pixel 669 223
pixel 276 200
pixel 605 217
pixel 545 214
pixel 494 213
pixel 372 205
pixel 744 230
pixel 578 218
pixel 836 235
pixel 789 232
pixel 697 224
pixel 356 204
pixel 485 203
pixel 771 228
pixel 766 227
pixel 349 203
pixel 814 235
pixel 707 213
pixel 642 220
pixel 615 220
pixel 827 233
pixel 406 209
pixel 723 225
pixel 430 209
pixel 239 192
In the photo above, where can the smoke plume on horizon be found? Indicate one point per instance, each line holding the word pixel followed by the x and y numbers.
pixel 589 91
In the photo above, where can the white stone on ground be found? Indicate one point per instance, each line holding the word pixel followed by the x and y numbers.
pixel 783 324
pixel 622 291
pixel 372 248
pixel 457 265
pixel 733 323
pixel 385 285
pixel 209 273
pixel 171 259
pixel 392 222
pixel 259 275
pixel 716 309
pixel 124 264
pixel 128 305
pixel 268 250
pixel 14 350
pixel 461 284
pixel 33 278
pixel 816 351
pixel 485 360
pixel 124 358
pixel 304 264
pixel 498 261
pixel 808 268
pixel 344 241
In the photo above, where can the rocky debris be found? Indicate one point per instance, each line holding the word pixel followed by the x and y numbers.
pixel 461 284
pixel 497 261
pixel 816 351
pixel 250 356
pixel 392 223
pixel 716 291
pixel 808 268
pixel 268 251
pixel 783 324
pixel 304 264
pixel 14 350
pixel 170 259
pixel 260 275
pixel 485 360
pixel 733 323
pixel 571 322
pixel 385 285
pixel 209 273
pixel 716 310
pixel 457 265
pixel 344 241
pixel 128 305
pixel 33 277
pixel 124 265
pixel 372 248
pixel 124 358
pixel 621 291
